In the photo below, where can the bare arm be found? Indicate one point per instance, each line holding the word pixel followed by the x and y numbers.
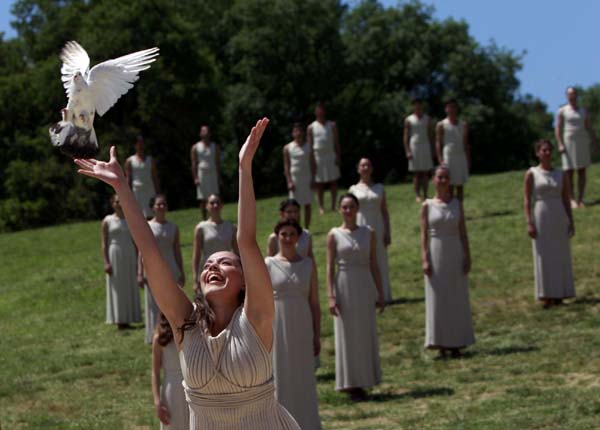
pixel 315 310
pixel 566 199
pixel 234 244
pixel 439 138
pixel 128 172
pixel 527 190
pixel 313 160
pixel 331 256
pixel 104 248
pixel 178 257
pixel 272 246
pixel 387 232
pixel 140 270
pixel 464 238
pixel 425 259
pixel 161 410
pixel 259 305
pixel 432 138
pixel 155 177
pixel 171 300
pixel 407 139
pixel 218 164
pixel 560 121
pixel 286 168
pixel 374 266
pixel 466 143
pixel 338 148
pixel 197 254
pixel 194 158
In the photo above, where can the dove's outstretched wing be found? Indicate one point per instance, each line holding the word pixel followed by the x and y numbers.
pixel 111 79
pixel 74 59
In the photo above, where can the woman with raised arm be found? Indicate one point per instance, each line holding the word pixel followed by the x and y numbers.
pixel 169 397
pixel 213 235
pixel 167 236
pixel 373 211
pixel 118 250
pixel 297 327
pixel 550 226
pixel 225 338
pixel 354 292
pixel 446 262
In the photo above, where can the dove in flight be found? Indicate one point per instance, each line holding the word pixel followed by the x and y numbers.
pixel 92 92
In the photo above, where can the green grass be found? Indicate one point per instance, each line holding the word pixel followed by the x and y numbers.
pixel 62 368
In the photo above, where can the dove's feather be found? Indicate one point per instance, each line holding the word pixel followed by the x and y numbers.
pixel 74 59
pixel 109 80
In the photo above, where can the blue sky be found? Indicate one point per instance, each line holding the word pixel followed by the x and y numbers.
pixel 559 37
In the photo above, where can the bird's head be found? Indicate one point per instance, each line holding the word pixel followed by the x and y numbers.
pixel 78 80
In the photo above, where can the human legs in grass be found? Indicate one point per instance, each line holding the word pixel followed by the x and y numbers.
pixel 421 184
pixel 307 215
pixel 320 195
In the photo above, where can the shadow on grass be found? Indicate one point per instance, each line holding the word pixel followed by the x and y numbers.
pixel 406 301
pixel 325 377
pixel 492 214
pixel 593 203
pixel 417 393
pixel 511 350
pixel 588 300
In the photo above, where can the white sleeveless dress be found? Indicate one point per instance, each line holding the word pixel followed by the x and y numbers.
pixel 576 138
pixel 172 394
pixel 551 249
pixel 300 172
pixel 206 166
pixel 454 152
pixel 165 236
pixel 216 238
pixel 324 150
pixel 448 311
pixel 369 213
pixel 293 358
pixel 142 183
pixel 357 362
pixel 420 145
pixel 122 292
pixel 302 246
pixel 228 380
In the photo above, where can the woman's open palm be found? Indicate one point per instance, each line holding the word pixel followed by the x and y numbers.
pixel 109 172
pixel 252 141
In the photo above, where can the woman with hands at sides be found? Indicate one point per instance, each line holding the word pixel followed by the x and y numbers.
pixel 354 292
pixel 297 327
pixel 169 396
pixel 290 210
pixel 213 235
pixel 446 262
pixel 120 255
pixel 225 337
pixel 167 237
pixel 550 226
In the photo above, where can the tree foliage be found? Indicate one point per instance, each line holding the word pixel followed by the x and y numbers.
pixel 227 63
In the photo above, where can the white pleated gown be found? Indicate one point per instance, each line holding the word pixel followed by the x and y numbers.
pixel 420 145
pixel 165 236
pixel 324 150
pixel 172 394
pixel 454 152
pixel 142 183
pixel 216 238
pixel 575 138
pixel 369 213
pixel 552 248
pixel 293 358
pixel 448 311
pixel 300 172
pixel 206 167
pixel 122 292
pixel 357 362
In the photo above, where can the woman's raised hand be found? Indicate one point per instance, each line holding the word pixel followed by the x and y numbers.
pixel 109 172
pixel 252 141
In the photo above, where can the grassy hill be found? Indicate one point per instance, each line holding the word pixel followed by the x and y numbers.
pixel 62 368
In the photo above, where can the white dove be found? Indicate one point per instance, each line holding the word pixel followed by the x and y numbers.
pixel 90 92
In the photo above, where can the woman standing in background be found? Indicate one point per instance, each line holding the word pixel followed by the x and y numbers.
pixel 142 176
pixel 299 170
pixel 206 168
pixel 418 144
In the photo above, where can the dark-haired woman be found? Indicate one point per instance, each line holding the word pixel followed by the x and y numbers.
pixel 297 327
pixel 373 212
pixel 299 170
pixel 290 210
pixel 118 250
pixel 225 338
pixel 446 262
pixel 167 236
pixel 354 292
pixel 550 226
pixel 169 396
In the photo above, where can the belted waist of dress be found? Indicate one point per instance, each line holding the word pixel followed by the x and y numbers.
pixel 293 294
pixel 230 400
pixel 546 199
pixel 454 149
pixel 350 266
pixel 434 233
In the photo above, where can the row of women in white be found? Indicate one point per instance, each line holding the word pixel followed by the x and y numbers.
pixel 355 251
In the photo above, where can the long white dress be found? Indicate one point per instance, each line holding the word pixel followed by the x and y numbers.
pixel 172 394
pixel 300 172
pixel 165 236
pixel 122 292
pixel 369 213
pixel 324 150
pixel 448 311
pixel 216 238
pixel 208 182
pixel 228 380
pixel 302 246
pixel 142 183
pixel 551 249
pixel 419 142
pixel 293 359
pixel 575 138
pixel 357 362
pixel 454 152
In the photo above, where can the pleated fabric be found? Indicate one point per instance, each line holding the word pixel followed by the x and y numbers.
pixel 172 394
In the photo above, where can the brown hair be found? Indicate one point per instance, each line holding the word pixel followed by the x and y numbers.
pixel 287 223
pixel 541 143
pixel 163 330
pixel 348 196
